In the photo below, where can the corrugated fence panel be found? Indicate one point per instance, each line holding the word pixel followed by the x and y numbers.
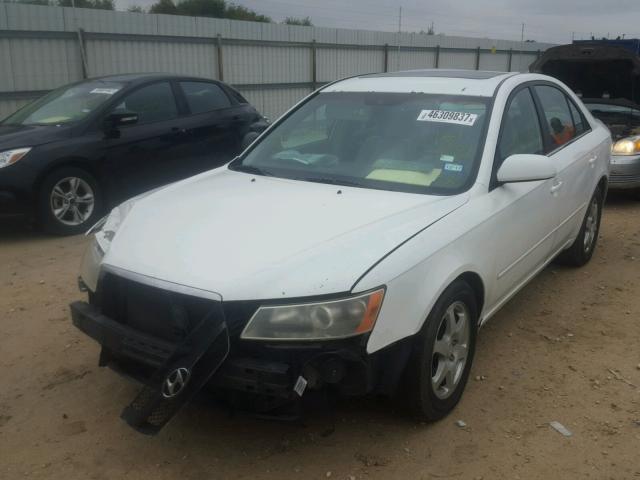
pixel 46 57
pixel 521 61
pixel 7 107
pixel 456 59
pixel 410 60
pixel 6 73
pixel 278 101
pixel 241 64
pixel 498 62
pixel 285 64
pixel 334 63
pixel 42 64
pixel 126 56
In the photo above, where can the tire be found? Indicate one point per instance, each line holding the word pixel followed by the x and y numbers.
pixel 429 394
pixel 74 189
pixel 581 250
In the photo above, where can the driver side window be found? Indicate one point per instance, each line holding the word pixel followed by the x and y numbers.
pixel 153 103
pixel 520 128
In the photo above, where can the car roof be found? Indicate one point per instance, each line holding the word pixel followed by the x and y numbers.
pixel 132 78
pixel 437 81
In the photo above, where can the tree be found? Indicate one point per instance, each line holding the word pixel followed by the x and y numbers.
pixel 207 8
pixel 164 6
pixel 97 4
pixel 35 2
pixel 238 12
pixel 304 22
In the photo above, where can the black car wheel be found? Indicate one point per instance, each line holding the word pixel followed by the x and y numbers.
pixel 439 367
pixel 69 201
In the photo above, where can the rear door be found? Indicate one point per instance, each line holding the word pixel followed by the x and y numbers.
pixel 215 125
pixel 567 143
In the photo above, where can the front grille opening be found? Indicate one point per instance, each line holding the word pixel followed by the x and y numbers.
pixel 151 310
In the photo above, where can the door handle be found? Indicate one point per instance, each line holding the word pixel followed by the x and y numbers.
pixel 592 160
pixel 556 187
pixel 178 132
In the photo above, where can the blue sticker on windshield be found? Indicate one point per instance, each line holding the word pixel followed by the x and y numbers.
pixel 453 167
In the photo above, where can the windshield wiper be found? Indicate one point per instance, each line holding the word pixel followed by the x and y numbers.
pixel 251 169
pixel 331 181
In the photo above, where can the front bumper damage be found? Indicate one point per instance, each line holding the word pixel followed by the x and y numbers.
pixel 168 340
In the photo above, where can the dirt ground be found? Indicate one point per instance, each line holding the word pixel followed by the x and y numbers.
pixel 567 348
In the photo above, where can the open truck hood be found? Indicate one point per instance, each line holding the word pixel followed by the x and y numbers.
pixel 593 68
pixel 598 71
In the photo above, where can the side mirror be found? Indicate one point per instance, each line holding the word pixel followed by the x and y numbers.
pixel 526 168
pixel 119 119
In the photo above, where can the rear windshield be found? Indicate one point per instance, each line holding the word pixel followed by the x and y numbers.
pixel 65 105
pixel 409 142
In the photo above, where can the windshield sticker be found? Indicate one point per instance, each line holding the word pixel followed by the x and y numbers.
pixel 447 158
pixel 446 116
pixel 453 167
pixel 105 91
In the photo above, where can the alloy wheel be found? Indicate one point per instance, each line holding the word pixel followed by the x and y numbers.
pixel 450 350
pixel 72 201
pixel 591 226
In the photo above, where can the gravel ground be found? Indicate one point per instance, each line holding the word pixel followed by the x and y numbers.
pixel 567 348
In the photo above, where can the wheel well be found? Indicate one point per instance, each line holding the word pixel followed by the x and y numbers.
pixel 603 185
pixel 475 282
pixel 76 162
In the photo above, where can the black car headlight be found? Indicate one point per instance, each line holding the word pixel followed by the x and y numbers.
pixel 9 157
pixel 331 319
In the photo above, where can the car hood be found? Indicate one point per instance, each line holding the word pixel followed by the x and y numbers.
pixel 254 237
pixel 15 136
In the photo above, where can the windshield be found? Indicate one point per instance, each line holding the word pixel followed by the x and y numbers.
pixel 65 105
pixel 409 142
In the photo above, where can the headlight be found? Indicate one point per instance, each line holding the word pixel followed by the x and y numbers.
pixel 627 146
pixel 103 232
pixel 9 157
pixel 316 321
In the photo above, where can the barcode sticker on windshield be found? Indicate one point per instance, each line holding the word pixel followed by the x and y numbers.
pixel 445 116
pixel 105 91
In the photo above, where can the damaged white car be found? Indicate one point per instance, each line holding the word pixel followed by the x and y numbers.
pixel 356 247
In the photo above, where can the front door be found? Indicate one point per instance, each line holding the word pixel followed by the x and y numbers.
pixel 524 217
pixel 147 154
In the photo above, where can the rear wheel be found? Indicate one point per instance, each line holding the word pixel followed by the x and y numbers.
pixel 439 367
pixel 581 251
pixel 69 202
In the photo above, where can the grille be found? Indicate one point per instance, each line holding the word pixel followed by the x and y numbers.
pixel 624 178
pixel 151 310
pixel 162 313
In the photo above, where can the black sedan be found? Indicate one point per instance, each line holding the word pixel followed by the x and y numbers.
pixel 68 156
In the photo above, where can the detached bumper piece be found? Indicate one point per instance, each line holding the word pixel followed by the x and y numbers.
pixel 182 369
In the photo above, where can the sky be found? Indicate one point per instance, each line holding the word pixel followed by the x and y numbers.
pixel 555 21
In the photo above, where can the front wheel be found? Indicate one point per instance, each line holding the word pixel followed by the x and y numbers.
pixel 69 201
pixel 581 250
pixel 439 367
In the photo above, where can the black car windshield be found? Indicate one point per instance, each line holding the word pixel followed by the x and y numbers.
pixel 65 105
pixel 410 142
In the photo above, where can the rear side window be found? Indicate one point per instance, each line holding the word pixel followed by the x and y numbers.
pixel 204 96
pixel 578 120
pixel 521 128
pixel 555 106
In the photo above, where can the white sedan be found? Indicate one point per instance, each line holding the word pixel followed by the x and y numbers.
pixel 356 247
